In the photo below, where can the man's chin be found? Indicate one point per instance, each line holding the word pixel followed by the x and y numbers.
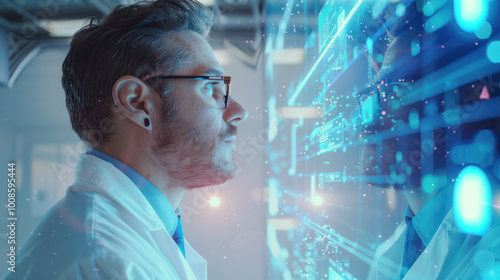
pixel 224 171
pixel 214 179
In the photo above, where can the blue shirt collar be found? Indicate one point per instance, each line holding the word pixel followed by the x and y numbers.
pixel 430 217
pixel 158 201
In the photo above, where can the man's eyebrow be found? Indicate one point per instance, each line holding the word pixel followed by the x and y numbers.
pixel 213 71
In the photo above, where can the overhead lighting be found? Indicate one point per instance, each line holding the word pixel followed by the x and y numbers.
pixel 62 28
pixel 214 201
pixel 288 57
pixel 208 2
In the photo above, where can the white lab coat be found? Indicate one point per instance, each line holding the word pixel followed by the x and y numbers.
pixel 449 255
pixel 104 228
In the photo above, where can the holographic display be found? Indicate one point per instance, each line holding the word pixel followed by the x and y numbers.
pixel 384 129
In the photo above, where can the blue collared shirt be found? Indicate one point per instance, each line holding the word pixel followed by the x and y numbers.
pixel 422 227
pixel 171 219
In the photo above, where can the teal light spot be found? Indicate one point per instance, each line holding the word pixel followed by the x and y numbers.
pixel 399 156
pixel 395 88
pixel 401 179
pixel 429 183
pixel 483 31
pixel 472 201
pixel 431 109
pixel 438 20
pixel 393 176
pixel 380 58
pixel 368 108
pixel 415 47
pixel 494 273
pixel 484 260
pixel 400 10
pixel 493 51
pixel 413 119
pixel 470 14
pixel 429 9
pixel 452 116
pixel 369 45
pixel 396 104
pixel 485 141
pixel 480 152
pixel 378 7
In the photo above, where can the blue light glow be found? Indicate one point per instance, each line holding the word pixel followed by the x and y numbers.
pixel 317 200
pixel 367 109
pixel 415 47
pixel 479 152
pixel 399 156
pixel 438 20
pixel 428 9
pixel 470 14
pixel 400 9
pixel 484 260
pixel 472 201
pixel 413 119
pixel 493 51
pixel 429 183
pixel 273 197
pixel 483 31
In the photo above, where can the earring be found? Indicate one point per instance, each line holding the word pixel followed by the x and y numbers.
pixel 146 122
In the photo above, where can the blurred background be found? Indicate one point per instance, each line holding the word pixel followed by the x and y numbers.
pixel 331 87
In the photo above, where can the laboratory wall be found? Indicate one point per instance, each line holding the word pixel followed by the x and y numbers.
pixel 36 135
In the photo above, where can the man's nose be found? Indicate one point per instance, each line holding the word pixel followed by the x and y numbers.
pixel 235 112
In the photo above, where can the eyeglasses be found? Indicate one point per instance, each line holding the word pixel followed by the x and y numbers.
pixel 225 79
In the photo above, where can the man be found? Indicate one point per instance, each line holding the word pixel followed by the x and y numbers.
pixel 145 92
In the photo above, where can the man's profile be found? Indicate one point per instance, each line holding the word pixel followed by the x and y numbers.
pixel 145 92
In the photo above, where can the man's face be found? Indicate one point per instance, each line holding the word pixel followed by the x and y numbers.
pixel 195 138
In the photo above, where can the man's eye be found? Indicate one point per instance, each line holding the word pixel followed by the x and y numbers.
pixel 210 86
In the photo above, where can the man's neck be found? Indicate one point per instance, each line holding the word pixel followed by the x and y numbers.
pixel 140 163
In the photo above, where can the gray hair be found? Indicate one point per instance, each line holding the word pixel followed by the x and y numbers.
pixel 131 40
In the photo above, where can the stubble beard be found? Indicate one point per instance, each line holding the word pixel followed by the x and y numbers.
pixel 187 155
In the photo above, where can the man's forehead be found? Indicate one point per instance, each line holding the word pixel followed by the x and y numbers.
pixel 203 60
pixel 201 68
pixel 203 71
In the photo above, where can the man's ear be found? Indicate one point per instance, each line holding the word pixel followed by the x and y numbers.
pixel 134 100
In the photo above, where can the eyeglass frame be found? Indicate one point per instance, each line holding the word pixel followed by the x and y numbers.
pixel 225 79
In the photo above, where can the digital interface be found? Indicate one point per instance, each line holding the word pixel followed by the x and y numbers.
pixel 377 109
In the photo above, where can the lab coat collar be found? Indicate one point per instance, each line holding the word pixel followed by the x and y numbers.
pixel 110 182
pixel 100 176
pixel 430 217
pixel 158 201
